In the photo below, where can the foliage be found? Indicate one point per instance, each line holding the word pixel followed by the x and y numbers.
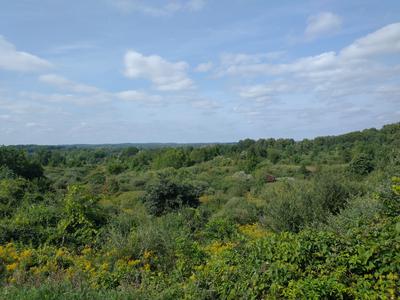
pixel 203 221
pixel 361 165
pixel 390 197
pixel 80 219
pixel 166 195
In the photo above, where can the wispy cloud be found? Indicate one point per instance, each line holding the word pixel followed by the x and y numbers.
pixel 322 24
pixel 231 63
pixel 204 67
pixel 83 94
pixel 67 48
pixel 138 96
pixel 161 8
pixel 13 60
pixel 68 85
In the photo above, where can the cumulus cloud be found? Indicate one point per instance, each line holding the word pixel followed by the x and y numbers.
pixel 322 24
pixel 13 60
pixel 161 8
pixel 165 75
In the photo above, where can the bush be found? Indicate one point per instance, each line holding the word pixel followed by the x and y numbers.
pixel 361 264
pixel 81 218
pixel 12 192
pixel 31 224
pixel 331 193
pixel 361 165
pixel 239 211
pixel 19 164
pixel 390 197
pixel 220 229
pixel 115 167
pixel 167 195
pixel 292 206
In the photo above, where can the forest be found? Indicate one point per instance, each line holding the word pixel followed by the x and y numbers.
pixel 257 219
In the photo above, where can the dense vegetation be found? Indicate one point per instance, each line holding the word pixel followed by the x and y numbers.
pixel 266 219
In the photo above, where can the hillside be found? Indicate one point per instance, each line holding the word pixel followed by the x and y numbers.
pixel 265 219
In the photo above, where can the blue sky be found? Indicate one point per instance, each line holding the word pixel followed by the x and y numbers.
pixel 110 71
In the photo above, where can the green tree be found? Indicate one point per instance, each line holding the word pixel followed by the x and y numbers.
pixel 165 195
pixel 18 163
pixel 174 158
pixel 362 164
pixel 273 155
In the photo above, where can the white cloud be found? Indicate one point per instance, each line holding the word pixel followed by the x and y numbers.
pixel 13 60
pixel 234 63
pixel 204 67
pixel 228 59
pixel 135 96
pixel 31 124
pixel 82 94
pixel 322 24
pixel 162 8
pixel 90 100
pixel 68 85
pixel 383 41
pixel 264 92
pixel 73 47
pixel 165 75
pixel 205 104
pixel 326 63
pixel 87 95
pixel 358 69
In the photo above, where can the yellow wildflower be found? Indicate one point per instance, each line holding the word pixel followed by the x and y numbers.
pixel 132 263
pixel 253 231
pixel 86 251
pixel 147 254
pixel 11 267
pixel 217 247
pixel 25 254
pixel 146 267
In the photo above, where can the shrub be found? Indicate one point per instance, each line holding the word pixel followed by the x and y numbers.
pixel 331 193
pixel 115 167
pixel 239 211
pixel 220 229
pixel 81 217
pixel 362 164
pixel 390 197
pixel 290 207
pixel 167 195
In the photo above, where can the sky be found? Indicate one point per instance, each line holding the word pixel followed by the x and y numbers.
pixel 116 71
